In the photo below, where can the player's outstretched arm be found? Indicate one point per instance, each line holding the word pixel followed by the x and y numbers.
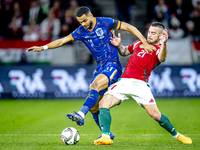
pixel 163 51
pixel 54 44
pixel 116 41
pixel 136 33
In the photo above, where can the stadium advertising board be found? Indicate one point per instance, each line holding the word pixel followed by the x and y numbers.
pixel 44 82
pixel 175 81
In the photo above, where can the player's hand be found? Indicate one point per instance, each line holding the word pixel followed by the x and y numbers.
pixel 116 40
pixel 149 48
pixel 165 36
pixel 35 49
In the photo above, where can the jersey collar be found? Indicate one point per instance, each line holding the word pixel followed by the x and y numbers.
pixel 93 24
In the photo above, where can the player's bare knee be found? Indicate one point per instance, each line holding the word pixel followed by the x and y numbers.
pixel 102 104
pixel 94 86
pixel 155 116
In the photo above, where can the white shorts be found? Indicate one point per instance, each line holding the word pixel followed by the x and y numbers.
pixel 128 88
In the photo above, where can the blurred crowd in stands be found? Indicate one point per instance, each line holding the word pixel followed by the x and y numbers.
pixel 33 20
pixel 180 17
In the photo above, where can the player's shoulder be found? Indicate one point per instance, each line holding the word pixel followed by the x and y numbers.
pixel 79 33
pixel 104 19
pixel 136 43
pixel 157 49
pixel 158 46
pixel 79 30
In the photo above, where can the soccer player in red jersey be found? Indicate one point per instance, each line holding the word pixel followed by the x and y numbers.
pixel 95 33
pixel 133 83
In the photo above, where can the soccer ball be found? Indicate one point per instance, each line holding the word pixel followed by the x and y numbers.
pixel 70 136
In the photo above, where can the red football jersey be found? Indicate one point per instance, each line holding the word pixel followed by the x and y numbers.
pixel 140 64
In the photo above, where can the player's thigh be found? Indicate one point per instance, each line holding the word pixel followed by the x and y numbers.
pixel 99 83
pixel 153 111
pixel 103 80
pixel 95 108
pixel 140 92
pixel 113 74
pixel 108 101
pixel 143 96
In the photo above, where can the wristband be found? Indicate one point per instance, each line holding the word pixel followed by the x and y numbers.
pixel 45 47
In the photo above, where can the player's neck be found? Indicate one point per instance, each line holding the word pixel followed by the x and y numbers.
pixel 154 44
pixel 157 43
pixel 93 22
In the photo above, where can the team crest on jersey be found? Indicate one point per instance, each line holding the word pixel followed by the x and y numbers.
pixel 99 32
pixel 79 32
pixel 141 46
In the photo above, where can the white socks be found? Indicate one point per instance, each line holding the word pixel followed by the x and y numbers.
pixel 176 135
pixel 106 135
pixel 81 114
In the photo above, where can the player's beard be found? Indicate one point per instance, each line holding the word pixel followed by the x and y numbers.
pixel 154 41
pixel 90 26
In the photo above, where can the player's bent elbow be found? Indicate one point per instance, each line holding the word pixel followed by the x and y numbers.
pixel 125 26
pixel 162 60
pixel 122 54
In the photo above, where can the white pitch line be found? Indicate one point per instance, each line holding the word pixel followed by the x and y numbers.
pixel 85 134
pixel 38 134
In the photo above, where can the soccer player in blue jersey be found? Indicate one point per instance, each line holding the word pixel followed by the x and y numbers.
pixel 96 33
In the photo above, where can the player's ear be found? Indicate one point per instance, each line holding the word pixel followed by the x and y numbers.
pixel 161 36
pixel 90 14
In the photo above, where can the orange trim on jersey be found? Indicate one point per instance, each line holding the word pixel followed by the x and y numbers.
pixel 113 74
pixel 71 37
pixel 112 31
pixel 117 28
pixel 93 24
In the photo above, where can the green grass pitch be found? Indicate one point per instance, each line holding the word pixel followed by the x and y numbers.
pixel 37 125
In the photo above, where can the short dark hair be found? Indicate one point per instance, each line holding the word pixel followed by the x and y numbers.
pixel 158 24
pixel 82 10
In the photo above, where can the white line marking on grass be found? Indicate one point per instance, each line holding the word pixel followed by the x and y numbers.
pixel 38 134
pixel 29 134
pixel 85 134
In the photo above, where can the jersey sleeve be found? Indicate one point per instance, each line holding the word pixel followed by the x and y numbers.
pixel 75 35
pixel 116 25
pixel 132 46
pixel 158 61
pixel 156 56
pixel 111 23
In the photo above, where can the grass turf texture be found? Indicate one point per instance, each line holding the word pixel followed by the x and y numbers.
pixel 37 124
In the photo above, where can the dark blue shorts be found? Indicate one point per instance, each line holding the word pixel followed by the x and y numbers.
pixel 113 74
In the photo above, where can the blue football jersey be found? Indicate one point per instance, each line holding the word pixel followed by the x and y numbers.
pixel 98 41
